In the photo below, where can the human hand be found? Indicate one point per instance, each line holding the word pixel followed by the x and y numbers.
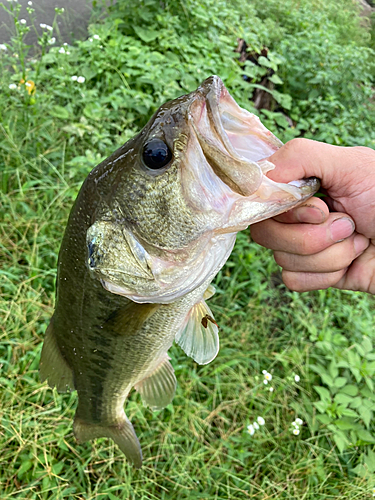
pixel 316 248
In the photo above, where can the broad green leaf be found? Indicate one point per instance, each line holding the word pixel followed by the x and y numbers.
pixel 146 35
pixel 356 402
pixel 323 393
pixel 343 399
pixel 344 424
pixel 350 390
pixel 340 381
pixel 333 370
pixel 324 419
pixel 366 436
pixel 370 460
pixel 25 466
pixel 365 414
pixel 349 413
pixel 275 79
pixel 59 112
pixel 327 379
pixel 340 441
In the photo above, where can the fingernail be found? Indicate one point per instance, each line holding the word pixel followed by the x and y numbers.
pixel 360 243
pixel 309 213
pixel 341 229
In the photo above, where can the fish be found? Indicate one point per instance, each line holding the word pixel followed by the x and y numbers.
pixel 151 227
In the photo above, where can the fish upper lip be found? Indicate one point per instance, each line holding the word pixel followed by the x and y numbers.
pixel 221 126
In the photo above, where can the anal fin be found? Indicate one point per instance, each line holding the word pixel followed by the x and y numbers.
pixel 123 435
pixel 199 336
pixel 158 389
pixel 53 367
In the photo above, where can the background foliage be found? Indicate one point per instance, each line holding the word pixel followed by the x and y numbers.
pixel 80 103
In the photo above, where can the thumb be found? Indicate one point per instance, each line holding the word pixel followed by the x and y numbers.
pixel 302 158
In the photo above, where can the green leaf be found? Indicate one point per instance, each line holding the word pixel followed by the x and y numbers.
pixel 340 381
pixel 327 379
pixel 343 399
pixel 146 35
pixel 323 393
pixel 350 390
pixel 324 419
pixel 321 406
pixel 370 383
pixel 370 461
pixel 340 441
pixel 333 370
pixel 366 436
pixel 59 112
pixel 365 414
pixel 25 466
pixel 356 402
pixel 349 413
pixel 366 345
pixel 275 79
pixel 344 424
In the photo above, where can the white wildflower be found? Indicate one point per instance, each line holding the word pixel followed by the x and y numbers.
pixel 294 424
pixel 49 28
pixel 299 421
pixel 52 41
pixel 74 78
pixel 250 429
pixel 81 79
pixel 62 50
pixel 296 432
pixel 65 44
pixel 12 86
pixel 23 21
pixel 256 425
pixel 42 25
pixel 265 381
pixel 268 376
pixel 3 46
pixel 30 3
pixel 297 378
pixel 27 84
pixel 90 40
pixel 261 421
pixel 96 37
pixel 264 372
pixel 271 389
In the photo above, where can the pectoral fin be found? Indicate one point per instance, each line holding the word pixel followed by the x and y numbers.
pixel 199 336
pixel 157 390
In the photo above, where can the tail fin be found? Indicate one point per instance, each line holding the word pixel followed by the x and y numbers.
pixel 122 434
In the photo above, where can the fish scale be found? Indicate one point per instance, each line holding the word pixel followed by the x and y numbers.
pixel 145 238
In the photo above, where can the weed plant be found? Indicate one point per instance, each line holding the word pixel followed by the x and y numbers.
pixel 286 409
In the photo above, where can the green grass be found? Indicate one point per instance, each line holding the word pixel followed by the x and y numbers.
pixel 197 448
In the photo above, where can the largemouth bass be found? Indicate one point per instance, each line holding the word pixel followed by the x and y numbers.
pixel 151 227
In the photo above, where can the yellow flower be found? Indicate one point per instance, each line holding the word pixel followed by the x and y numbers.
pixel 30 86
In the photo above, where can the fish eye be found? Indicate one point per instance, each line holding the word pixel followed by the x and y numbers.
pixel 156 154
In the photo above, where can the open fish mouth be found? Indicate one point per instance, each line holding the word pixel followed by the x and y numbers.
pixel 235 144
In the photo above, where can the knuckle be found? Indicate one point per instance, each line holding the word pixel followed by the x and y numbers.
pixel 296 144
